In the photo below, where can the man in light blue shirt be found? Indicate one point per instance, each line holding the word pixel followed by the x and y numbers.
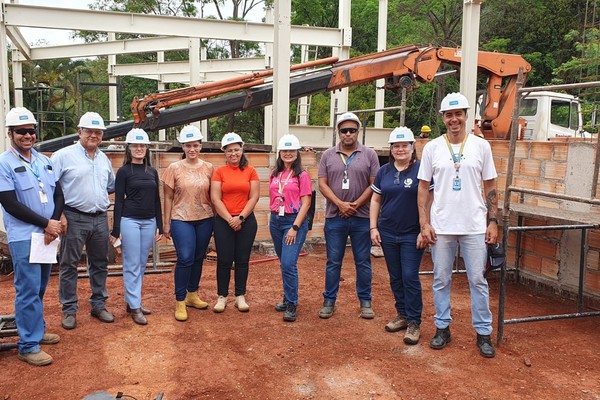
pixel 87 178
pixel 32 202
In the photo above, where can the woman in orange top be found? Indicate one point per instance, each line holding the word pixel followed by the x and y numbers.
pixel 234 193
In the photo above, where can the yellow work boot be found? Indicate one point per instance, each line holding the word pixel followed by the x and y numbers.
pixel 221 304
pixel 180 311
pixel 240 303
pixel 193 300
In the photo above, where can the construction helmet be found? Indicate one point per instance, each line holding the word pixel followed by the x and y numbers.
pixel 288 142
pixel 190 133
pixel 91 120
pixel 230 138
pixel 454 101
pixel 425 128
pixel 347 116
pixel 137 135
pixel 19 116
pixel 401 134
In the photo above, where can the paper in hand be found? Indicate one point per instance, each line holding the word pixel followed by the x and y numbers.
pixel 42 253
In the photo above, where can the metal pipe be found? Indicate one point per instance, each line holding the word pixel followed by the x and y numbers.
pixel 582 85
pixel 158 271
pixel 551 227
pixel 581 271
pixel 551 194
pixel 553 317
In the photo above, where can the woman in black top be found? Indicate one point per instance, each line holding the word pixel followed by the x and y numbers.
pixel 137 218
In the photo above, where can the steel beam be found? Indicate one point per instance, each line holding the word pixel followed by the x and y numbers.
pixel 19 41
pixel 183 67
pixel 129 46
pixel 111 21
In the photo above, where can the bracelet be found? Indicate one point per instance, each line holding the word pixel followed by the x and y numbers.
pixel 373 228
pixel 493 219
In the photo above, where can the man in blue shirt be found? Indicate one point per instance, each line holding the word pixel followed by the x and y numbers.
pixel 32 202
pixel 86 176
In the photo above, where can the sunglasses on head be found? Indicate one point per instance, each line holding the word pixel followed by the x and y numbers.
pixel 25 131
pixel 348 130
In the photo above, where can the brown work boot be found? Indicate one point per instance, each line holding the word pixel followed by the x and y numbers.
pixel 138 316
pixel 397 324
pixel 413 333
pixel 193 300
pixel 38 358
pixel 50 338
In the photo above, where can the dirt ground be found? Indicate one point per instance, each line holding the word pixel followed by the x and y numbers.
pixel 258 356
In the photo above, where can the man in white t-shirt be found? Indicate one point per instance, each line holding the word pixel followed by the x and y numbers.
pixel 459 163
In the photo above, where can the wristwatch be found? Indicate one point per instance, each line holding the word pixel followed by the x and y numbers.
pixel 493 219
pixel 295 227
pixel 241 217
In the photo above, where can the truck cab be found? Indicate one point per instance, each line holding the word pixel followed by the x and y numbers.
pixel 551 115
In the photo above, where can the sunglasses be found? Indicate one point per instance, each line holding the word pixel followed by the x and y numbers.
pixel 348 130
pixel 25 131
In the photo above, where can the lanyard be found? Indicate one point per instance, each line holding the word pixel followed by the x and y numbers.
pixel 456 157
pixel 35 172
pixel 347 162
pixel 280 191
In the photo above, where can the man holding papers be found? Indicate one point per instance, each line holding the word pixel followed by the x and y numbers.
pixel 32 202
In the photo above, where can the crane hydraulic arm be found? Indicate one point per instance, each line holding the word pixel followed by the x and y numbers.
pixel 400 67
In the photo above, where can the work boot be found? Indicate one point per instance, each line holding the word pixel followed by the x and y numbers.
pixel 193 300
pixel 103 315
pixel 138 316
pixel 327 309
pixel 221 304
pixel 290 313
pixel 397 324
pixel 366 311
pixel 281 307
pixel 50 338
pixel 38 358
pixel 180 311
pixel 441 339
pixel 145 311
pixel 413 333
pixel 69 322
pixel 240 303
pixel 486 348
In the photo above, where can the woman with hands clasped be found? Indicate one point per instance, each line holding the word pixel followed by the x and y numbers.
pixel 137 218
pixel 395 227
pixel 290 190
pixel 234 193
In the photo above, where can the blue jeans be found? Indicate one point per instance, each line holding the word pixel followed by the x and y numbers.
pixel 403 260
pixel 91 232
pixel 137 236
pixel 30 285
pixel 288 254
pixel 474 253
pixel 191 241
pixel 337 230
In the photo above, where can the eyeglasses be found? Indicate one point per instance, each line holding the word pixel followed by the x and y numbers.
pixel 348 130
pixel 232 151
pixel 397 178
pixel 25 131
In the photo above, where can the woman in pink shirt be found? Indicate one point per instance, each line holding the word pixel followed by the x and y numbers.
pixel 290 190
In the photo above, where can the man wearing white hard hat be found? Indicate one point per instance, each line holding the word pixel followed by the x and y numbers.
pixel 458 162
pixel 32 202
pixel 87 178
pixel 346 172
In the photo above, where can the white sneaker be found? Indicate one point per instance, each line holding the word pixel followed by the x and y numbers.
pixel 221 304
pixel 240 303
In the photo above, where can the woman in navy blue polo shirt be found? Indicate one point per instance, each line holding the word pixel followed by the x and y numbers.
pixel 395 227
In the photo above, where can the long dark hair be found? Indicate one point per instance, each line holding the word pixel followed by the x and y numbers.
pixel 128 158
pixel 243 161
pixel 296 165
pixel 413 157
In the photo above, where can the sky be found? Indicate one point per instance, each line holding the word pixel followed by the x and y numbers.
pixel 56 37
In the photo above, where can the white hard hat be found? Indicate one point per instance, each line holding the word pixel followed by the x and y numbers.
pixel 137 135
pixel 19 116
pixel 91 120
pixel 190 133
pixel 401 134
pixel 288 142
pixel 454 101
pixel 347 116
pixel 230 138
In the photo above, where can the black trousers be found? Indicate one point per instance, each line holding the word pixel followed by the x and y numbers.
pixel 233 247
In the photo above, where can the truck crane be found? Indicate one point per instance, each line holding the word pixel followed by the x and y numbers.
pixel 400 67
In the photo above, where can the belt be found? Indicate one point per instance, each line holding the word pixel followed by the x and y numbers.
pixel 286 214
pixel 92 214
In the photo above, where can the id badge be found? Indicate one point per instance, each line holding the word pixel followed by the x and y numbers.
pixel 43 197
pixel 456 184
pixel 281 211
pixel 345 184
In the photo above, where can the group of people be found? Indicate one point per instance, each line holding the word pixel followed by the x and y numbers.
pixel 403 207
